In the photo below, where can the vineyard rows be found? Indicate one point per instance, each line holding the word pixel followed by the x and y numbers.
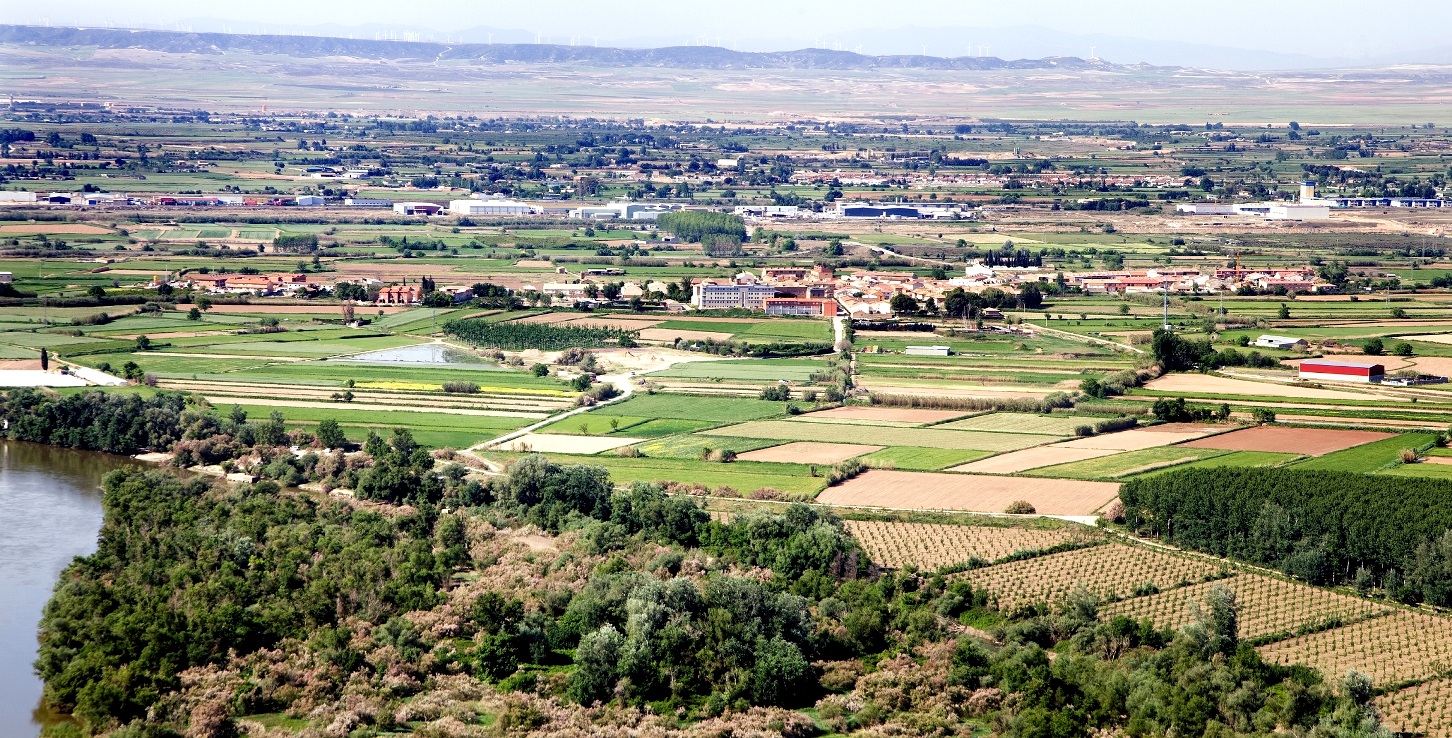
pixel 931 546
pixel 1111 571
pixel 1392 649
pixel 1267 606
pixel 1425 709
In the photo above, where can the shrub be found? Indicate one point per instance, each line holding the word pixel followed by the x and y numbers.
pixel 845 470
pixel 1083 430
pixel 1020 507
pixel 1017 405
pixel 1115 512
pixel 1114 425
pixel 776 393
pixel 461 388
pixel 1407 455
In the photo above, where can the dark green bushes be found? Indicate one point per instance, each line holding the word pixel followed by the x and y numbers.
pixel 183 575
pixel 1321 526
pixel 522 336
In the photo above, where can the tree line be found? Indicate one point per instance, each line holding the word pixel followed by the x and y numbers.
pixel 1325 527
pixel 185 574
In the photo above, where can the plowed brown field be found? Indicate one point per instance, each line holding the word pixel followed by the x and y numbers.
pixel 970 492
pixel 1308 441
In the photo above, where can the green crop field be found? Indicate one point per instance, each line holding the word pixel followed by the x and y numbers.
pixel 691 446
pixel 921 459
pixel 1370 456
pixel 173 366
pixel 742 476
pixel 1423 470
pixel 1130 462
pixel 428 428
pixel 1235 458
pixel 590 424
pixel 306 349
pixel 883 436
pixel 692 407
pixel 787 331
pixel 747 370
pixel 489 378
pixel 661 427
pixel 43 339
pixel 704 325
pixel 1056 425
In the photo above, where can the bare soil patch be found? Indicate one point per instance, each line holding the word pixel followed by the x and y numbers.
pixel 1439 365
pixel 1032 458
pixel 809 452
pixel 644 360
pixel 553 444
pixel 1352 421
pixel 625 324
pixel 888 414
pixel 1390 363
pixel 79 229
pixel 970 492
pixel 24 365
pixel 1307 441
pixel 551 318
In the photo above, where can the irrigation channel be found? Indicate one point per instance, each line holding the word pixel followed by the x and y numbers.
pixel 50 512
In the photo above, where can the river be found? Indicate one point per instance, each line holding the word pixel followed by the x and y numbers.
pixel 50 512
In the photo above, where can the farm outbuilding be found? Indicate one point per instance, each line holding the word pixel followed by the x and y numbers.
pixel 1286 343
pixel 928 350
pixel 1341 371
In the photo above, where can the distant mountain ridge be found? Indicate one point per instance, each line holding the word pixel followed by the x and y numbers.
pixel 683 57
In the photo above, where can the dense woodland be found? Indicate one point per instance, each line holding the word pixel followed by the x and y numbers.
pixel 205 604
pixel 396 470
pixel 1325 527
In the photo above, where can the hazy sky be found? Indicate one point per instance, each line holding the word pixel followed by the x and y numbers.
pixel 1328 28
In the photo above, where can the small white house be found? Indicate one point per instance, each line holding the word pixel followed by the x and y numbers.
pixel 1284 343
pixel 928 351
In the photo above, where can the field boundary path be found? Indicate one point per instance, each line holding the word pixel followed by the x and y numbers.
pixel 889 252
pixel 621 382
pixel 839 328
pixel 1086 339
